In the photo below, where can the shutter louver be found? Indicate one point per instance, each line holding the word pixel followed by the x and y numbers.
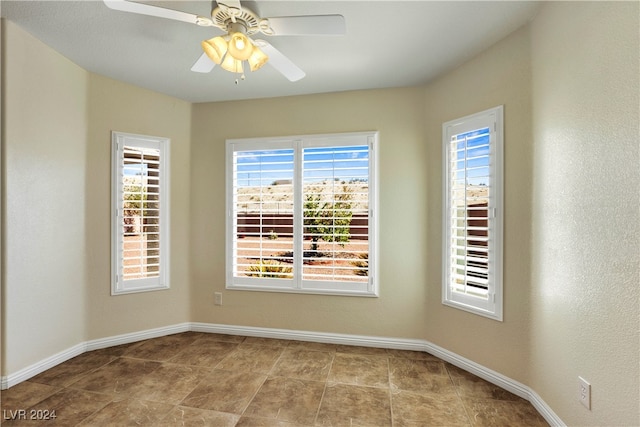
pixel 335 213
pixel 140 213
pixel 470 222
pixel 263 209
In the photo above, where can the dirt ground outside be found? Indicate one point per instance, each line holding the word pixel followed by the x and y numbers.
pixel 340 261
pixel 140 257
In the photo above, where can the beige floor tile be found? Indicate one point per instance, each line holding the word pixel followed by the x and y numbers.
pixel 70 371
pixel 24 395
pixel 170 383
pixel 237 339
pixel 350 405
pixel 359 369
pixel 355 349
pixel 251 358
pixel 419 376
pixel 128 412
pixel 307 345
pixel 414 410
pixel 304 364
pixel 204 352
pixel 409 354
pixel 287 399
pixel 65 408
pixel 117 377
pixel 225 391
pixel 118 350
pixel 163 348
pixel 265 422
pixel 491 412
pixel 196 378
pixel 469 385
pixel 182 416
pixel 266 341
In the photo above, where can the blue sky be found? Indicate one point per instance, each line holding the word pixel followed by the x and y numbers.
pixel 472 147
pixel 263 167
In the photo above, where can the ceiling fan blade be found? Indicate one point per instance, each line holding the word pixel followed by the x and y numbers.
pixel 312 25
pixel 160 12
pixel 280 62
pixel 203 64
pixel 233 4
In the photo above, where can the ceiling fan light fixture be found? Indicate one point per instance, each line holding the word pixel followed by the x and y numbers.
pixel 257 59
pixel 215 48
pixel 232 64
pixel 240 46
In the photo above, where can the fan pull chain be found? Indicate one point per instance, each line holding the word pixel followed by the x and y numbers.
pixel 242 77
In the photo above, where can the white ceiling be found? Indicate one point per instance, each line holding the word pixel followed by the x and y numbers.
pixel 388 43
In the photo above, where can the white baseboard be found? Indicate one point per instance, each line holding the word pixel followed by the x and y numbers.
pixel 323 337
pixel 41 366
pixel 137 336
pixel 58 358
pixel 487 374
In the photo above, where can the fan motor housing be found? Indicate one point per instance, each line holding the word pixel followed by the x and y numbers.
pixel 236 20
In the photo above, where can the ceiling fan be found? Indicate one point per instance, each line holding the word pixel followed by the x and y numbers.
pixel 234 24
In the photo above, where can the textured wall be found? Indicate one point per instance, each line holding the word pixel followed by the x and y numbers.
pixel 116 106
pixel 586 222
pixel 44 134
pixel 499 76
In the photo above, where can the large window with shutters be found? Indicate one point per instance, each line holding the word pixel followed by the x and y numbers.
pixel 473 213
pixel 301 214
pixel 140 213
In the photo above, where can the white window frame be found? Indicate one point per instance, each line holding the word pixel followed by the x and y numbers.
pixel 119 286
pixel 298 285
pixel 491 304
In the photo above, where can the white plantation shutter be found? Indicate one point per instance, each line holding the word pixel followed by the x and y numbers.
pixel 262 209
pixel 300 214
pixel 473 213
pixel 335 196
pixel 140 219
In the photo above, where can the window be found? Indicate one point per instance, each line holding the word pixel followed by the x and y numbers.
pixel 301 214
pixel 140 218
pixel 473 213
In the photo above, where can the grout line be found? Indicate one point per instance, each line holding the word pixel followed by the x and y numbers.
pixel 390 389
pixel 324 390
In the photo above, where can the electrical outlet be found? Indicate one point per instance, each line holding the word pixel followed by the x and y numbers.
pixel 584 392
pixel 217 298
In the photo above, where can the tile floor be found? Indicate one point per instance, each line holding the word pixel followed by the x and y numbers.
pixel 200 379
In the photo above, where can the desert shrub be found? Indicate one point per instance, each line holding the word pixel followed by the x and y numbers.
pixel 329 221
pixel 362 264
pixel 270 269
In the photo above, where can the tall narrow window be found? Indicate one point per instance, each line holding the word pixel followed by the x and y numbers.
pixel 301 214
pixel 473 213
pixel 140 223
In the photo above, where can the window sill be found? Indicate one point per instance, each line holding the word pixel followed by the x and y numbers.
pixel 335 292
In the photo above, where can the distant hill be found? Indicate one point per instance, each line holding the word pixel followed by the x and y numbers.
pixel 278 197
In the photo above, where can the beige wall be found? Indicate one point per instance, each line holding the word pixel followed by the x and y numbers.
pixel 397 115
pixel 586 219
pixel 116 106
pixel 57 128
pixel 499 76
pixel 44 132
